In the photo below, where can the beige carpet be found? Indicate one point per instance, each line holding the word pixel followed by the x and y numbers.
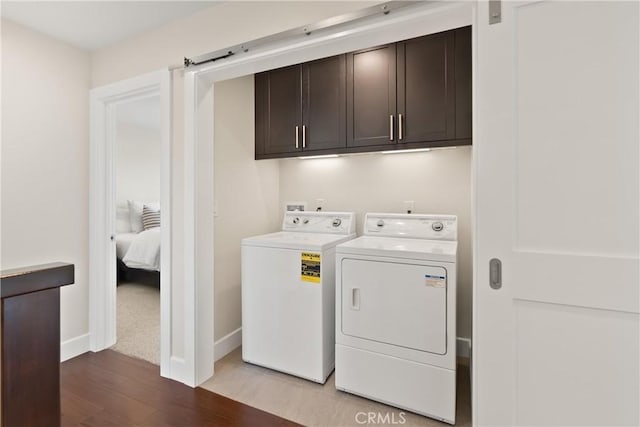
pixel 312 404
pixel 138 321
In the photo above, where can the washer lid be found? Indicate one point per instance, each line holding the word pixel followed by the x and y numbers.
pixel 297 240
pixel 432 250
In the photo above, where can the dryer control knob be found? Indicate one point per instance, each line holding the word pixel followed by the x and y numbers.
pixel 380 223
pixel 296 220
pixel 337 222
pixel 437 226
pixel 305 221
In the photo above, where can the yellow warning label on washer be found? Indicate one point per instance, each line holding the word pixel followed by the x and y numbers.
pixel 310 267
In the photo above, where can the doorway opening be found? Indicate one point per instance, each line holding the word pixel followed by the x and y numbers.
pixel 130 218
pixel 137 161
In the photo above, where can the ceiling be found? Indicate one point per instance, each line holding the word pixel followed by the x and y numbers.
pixel 93 25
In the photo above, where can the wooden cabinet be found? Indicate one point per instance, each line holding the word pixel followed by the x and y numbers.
pixel 371 96
pixel 278 110
pixel 411 94
pixel 30 343
pixel 463 84
pixel 324 86
pixel 426 89
pixel 301 108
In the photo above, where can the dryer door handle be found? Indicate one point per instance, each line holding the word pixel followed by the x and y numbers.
pixel 355 299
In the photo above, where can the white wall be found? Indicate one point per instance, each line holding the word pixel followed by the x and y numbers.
pixel 439 182
pixel 137 155
pixel 220 26
pixel 45 153
pixel 246 194
pixel 250 194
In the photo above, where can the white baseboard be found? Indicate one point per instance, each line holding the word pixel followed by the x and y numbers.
pixel 463 347
pixel 74 347
pixel 227 344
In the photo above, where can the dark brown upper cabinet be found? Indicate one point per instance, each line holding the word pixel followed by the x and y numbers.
pixel 463 85
pixel 324 85
pixel 411 94
pixel 301 108
pixel 371 96
pixel 426 89
pixel 278 111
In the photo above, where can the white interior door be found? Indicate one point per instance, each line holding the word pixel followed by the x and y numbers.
pixel 557 184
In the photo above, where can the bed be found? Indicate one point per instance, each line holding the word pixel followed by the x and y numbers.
pixel 138 236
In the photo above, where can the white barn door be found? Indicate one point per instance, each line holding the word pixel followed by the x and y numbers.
pixel 557 181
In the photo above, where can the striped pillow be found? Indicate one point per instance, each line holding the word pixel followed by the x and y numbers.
pixel 150 217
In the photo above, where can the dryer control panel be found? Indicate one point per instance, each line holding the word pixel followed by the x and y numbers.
pixel 417 226
pixel 320 222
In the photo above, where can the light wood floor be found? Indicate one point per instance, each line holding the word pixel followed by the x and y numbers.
pixel 313 404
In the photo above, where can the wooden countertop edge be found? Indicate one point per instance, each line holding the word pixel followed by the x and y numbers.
pixel 24 280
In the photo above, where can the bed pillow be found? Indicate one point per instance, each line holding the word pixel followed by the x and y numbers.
pixel 123 221
pixel 135 214
pixel 150 217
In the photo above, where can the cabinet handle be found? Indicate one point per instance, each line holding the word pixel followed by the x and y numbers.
pixel 400 127
pixel 297 145
pixel 304 136
pixel 391 127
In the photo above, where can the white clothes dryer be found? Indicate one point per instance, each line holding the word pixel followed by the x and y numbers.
pixel 396 313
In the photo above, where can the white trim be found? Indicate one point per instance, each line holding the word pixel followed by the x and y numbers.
pixel 227 344
pixel 463 347
pixel 102 258
pixel 405 23
pixel 74 347
pixel 474 209
pixel 178 367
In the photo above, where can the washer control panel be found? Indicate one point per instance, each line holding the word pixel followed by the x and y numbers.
pixel 432 227
pixel 320 222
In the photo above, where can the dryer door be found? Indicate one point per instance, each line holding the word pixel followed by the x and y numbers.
pixel 398 303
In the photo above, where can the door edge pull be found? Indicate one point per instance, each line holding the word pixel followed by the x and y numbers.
pixel 495 273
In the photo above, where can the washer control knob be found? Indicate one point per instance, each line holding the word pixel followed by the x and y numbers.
pixel 437 226
pixel 296 220
pixel 337 222
pixel 305 221
pixel 380 223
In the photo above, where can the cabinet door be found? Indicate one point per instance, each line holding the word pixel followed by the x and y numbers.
pixel 278 110
pixel 324 103
pixel 426 88
pixel 371 96
pixel 463 83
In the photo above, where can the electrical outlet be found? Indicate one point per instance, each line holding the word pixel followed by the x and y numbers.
pixel 408 206
pixel 295 206
pixel 319 204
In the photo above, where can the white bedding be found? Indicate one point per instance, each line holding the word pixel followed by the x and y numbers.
pixel 123 241
pixel 143 250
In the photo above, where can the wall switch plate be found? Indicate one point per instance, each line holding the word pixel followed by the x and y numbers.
pixel 408 206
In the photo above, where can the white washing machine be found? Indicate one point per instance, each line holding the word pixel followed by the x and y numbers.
pixel 288 294
pixel 396 313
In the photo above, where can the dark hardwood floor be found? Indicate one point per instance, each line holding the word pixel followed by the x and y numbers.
pixel 110 389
